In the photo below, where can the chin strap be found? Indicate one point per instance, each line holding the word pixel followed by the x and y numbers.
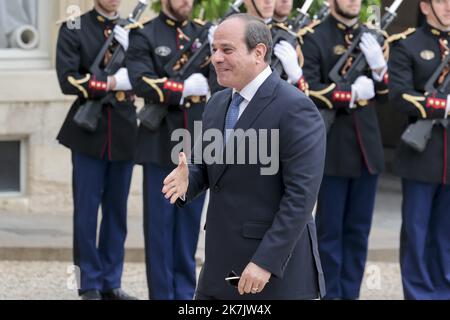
pixel 434 12
pixel 257 10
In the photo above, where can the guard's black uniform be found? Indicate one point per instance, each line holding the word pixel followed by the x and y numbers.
pixel 353 161
pixel 171 233
pixel 354 140
pixel 115 137
pixel 102 160
pixel 150 51
pixel 425 241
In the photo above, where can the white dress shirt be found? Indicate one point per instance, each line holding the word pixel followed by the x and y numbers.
pixel 249 91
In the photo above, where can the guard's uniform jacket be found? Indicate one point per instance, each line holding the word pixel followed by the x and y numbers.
pixel 150 51
pixel 115 136
pixel 414 59
pixel 354 139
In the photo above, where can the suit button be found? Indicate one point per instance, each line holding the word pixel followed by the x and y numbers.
pixel 216 189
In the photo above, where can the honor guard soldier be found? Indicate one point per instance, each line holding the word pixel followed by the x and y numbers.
pixel 288 55
pixel 171 233
pixel 102 159
pixel 354 156
pixel 283 9
pixel 419 88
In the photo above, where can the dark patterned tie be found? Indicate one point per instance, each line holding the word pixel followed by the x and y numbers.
pixel 232 115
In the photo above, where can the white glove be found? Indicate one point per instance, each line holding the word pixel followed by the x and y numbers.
pixel 372 51
pixel 289 59
pixel 211 32
pixel 122 80
pixel 362 89
pixel 121 35
pixel 195 85
pixel 447 109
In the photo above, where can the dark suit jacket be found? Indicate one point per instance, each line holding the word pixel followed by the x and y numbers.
pixel 265 219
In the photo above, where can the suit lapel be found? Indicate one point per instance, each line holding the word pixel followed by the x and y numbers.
pixel 221 111
pixel 260 101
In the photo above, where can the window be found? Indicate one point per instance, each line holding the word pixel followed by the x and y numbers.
pixel 18 21
pixel 25 33
pixel 11 167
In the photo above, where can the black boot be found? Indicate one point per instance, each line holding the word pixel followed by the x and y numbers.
pixel 117 294
pixel 91 295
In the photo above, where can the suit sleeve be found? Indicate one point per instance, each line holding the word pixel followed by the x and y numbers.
pixel 198 174
pixel 325 95
pixel 68 65
pixel 382 88
pixel 143 76
pixel 302 158
pixel 404 95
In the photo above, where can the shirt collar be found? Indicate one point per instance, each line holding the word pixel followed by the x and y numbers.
pixel 249 91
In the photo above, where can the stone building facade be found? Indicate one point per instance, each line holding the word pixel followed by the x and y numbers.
pixel 36 169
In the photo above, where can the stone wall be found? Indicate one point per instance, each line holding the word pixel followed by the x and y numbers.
pixel 32 108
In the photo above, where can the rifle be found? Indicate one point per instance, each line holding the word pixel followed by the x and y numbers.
pixel 418 134
pixel 340 73
pixel 89 112
pixel 356 60
pixel 284 33
pixel 197 52
pixel 185 63
pixel 443 87
pixel 323 12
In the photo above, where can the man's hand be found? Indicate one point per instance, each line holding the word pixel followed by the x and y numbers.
pixel 120 81
pixel 177 182
pixel 211 32
pixel 122 36
pixel 253 279
pixel 289 59
pixel 447 109
pixel 362 89
pixel 195 85
pixel 373 52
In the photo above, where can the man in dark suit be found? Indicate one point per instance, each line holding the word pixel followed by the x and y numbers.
pixel 259 226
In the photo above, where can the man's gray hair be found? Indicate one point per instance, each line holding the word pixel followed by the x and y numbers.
pixel 256 32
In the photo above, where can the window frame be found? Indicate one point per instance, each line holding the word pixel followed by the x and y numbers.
pixel 39 58
pixel 22 167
